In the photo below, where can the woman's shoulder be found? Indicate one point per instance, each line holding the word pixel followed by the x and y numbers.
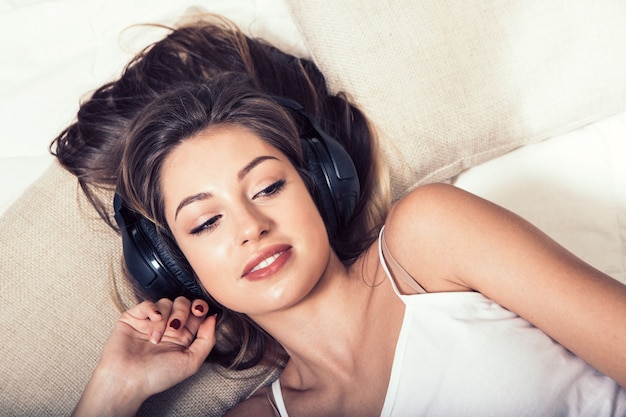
pixel 425 198
pixel 432 205
pixel 416 230
pixel 423 210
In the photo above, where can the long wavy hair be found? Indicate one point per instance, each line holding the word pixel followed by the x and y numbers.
pixel 191 63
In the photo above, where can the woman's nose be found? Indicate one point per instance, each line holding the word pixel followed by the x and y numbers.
pixel 252 223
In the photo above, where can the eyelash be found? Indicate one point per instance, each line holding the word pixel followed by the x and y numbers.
pixel 211 224
pixel 207 226
pixel 272 190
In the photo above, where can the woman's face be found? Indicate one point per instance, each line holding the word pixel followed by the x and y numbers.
pixel 244 219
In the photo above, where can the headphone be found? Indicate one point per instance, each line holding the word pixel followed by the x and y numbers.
pixel 159 275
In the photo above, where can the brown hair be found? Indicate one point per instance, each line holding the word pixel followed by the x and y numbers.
pixel 191 63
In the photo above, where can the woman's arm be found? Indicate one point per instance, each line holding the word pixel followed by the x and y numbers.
pixel 152 347
pixel 451 240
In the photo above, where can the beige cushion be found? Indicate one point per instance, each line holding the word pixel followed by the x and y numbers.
pixel 451 83
pixel 60 269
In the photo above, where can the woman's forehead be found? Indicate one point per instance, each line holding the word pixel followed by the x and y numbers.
pixel 223 143
pixel 219 153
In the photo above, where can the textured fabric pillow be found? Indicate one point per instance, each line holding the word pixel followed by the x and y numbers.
pixel 60 270
pixel 450 84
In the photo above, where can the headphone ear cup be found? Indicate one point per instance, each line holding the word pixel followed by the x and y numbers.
pixel 171 266
pixel 332 168
pixel 155 271
pixel 316 168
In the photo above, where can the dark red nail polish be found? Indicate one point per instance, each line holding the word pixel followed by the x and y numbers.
pixel 175 324
pixel 199 308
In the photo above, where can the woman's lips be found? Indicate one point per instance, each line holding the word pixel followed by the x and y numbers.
pixel 267 262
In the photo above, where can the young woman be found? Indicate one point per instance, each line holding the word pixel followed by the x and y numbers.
pixel 447 305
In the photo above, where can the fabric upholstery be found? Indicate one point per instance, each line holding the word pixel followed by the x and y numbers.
pixel 452 84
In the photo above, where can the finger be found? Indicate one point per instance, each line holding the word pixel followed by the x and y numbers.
pixel 144 310
pixel 143 318
pixel 199 308
pixel 204 342
pixel 140 316
pixel 164 307
pixel 199 311
pixel 157 328
pixel 179 314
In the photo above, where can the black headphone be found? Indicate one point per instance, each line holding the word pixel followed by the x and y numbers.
pixel 156 271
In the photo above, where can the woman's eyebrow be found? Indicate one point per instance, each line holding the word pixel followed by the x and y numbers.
pixel 192 198
pixel 256 161
pixel 240 176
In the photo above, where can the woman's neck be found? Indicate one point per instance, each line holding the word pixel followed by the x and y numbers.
pixel 325 333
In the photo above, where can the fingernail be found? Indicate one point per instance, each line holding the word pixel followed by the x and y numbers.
pixel 175 324
pixel 199 308
pixel 155 336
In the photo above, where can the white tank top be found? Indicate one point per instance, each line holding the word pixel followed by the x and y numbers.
pixel 462 354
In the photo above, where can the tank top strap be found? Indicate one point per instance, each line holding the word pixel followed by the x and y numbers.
pixel 393 269
pixel 276 400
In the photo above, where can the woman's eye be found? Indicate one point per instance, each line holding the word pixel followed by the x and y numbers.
pixel 207 226
pixel 273 189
